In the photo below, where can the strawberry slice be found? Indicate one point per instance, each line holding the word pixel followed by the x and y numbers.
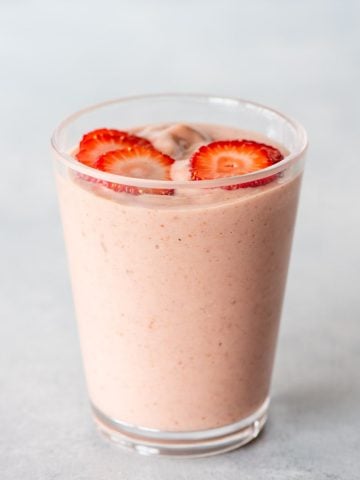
pixel 98 142
pixel 228 158
pixel 137 162
pixel 94 134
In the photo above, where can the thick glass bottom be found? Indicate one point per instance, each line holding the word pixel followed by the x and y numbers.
pixel 199 443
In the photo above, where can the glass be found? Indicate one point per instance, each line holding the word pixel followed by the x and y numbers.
pixel 178 297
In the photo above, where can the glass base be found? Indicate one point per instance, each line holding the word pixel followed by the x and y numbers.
pixel 201 443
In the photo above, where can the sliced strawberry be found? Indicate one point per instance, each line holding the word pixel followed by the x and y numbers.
pixel 94 134
pixel 229 158
pixel 98 142
pixel 137 162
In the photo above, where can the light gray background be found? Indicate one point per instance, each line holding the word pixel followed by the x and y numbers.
pixel 302 57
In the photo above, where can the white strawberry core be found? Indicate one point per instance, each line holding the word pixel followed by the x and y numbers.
pixel 142 167
pixel 236 161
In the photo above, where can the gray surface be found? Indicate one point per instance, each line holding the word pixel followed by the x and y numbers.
pixel 301 57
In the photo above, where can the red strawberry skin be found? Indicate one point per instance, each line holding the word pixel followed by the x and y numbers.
pixel 98 142
pixel 98 134
pixel 228 158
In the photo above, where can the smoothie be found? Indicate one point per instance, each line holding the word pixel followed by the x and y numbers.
pixel 178 295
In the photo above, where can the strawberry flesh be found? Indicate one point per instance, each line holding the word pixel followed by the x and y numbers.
pixel 98 142
pixel 229 158
pixel 98 134
pixel 119 152
pixel 137 162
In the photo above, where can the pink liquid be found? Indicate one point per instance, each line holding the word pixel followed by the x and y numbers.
pixel 178 298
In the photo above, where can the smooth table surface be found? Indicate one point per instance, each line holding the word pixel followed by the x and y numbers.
pixel 300 57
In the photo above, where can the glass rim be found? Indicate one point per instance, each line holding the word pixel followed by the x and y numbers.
pixel 70 162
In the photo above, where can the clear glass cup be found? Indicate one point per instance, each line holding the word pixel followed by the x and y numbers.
pixel 178 297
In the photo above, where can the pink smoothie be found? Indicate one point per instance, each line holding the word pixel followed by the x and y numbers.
pixel 178 298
